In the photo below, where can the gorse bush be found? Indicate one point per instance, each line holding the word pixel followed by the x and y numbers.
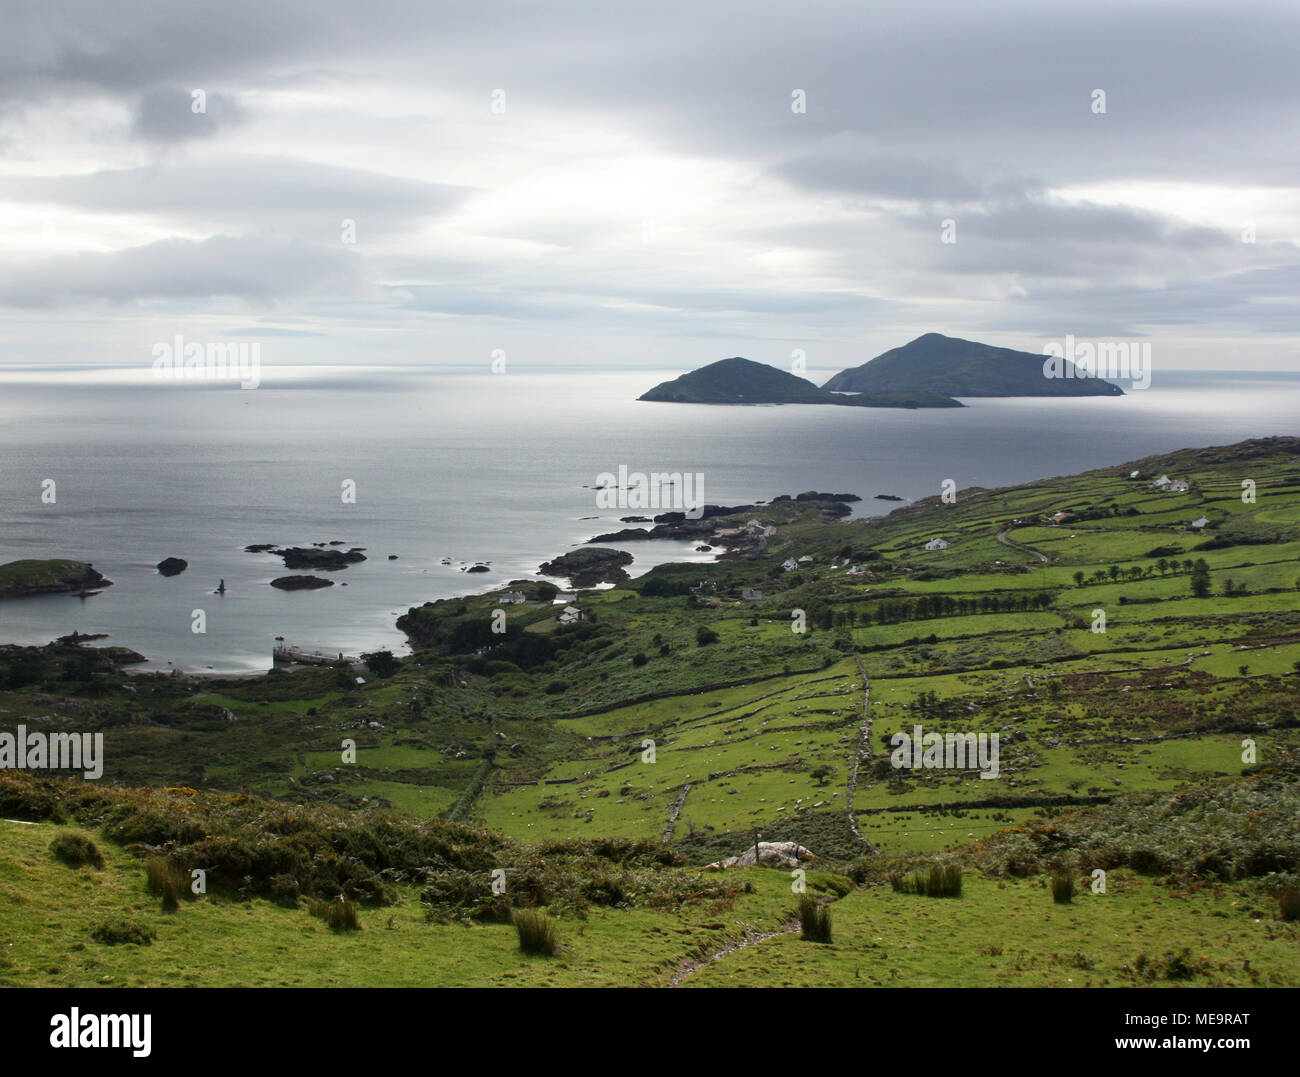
pixel 569 877
pixel 247 843
pixel 536 932
pixel 1234 830
pixel 76 849
pixel 1062 885
pixel 814 920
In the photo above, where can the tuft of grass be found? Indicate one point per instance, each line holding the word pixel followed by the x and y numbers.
pixel 940 880
pixel 117 932
pixel 339 916
pixel 536 932
pixel 75 849
pixel 168 880
pixel 814 920
pixel 1062 885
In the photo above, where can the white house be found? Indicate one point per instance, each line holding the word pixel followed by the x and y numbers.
pixel 570 615
pixel 805 560
pixel 789 564
pixel 937 544
pixel 512 598
pixel 1135 474
pixel 1177 487
pixel 1162 482
pixel 750 595
pixel 1200 522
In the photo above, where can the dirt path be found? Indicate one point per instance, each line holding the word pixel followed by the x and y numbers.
pixel 1002 538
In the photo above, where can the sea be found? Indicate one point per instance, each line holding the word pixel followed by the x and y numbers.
pixel 446 468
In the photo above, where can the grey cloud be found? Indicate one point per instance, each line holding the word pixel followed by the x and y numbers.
pixel 254 269
pixel 173 114
pixel 245 192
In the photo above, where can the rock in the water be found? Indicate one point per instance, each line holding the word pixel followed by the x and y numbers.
pixel 172 566
pixel 300 583
pixel 326 560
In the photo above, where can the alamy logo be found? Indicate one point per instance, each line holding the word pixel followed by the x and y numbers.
pixel 216 362
pixel 951 751
pixel 658 490
pixel 76 1029
pixel 53 751
pixel 1105 359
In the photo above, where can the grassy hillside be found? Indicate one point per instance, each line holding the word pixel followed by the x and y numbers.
pixel 1140 674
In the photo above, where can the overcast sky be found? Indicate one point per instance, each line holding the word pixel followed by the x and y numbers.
pixel 633 185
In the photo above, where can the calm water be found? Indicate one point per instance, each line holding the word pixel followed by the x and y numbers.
pixel 472 467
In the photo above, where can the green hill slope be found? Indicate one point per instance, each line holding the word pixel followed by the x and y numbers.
pixel 952 367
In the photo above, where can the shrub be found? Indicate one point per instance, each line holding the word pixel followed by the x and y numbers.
pixel 117 932
pixel 639 659
pixel 861 869
pixel 1289 902
pixel 536 932
pixel 76 849
pixel 1148 862
pixel 814 920
pixel 705 636
pixel 555 688
pixel 1062 886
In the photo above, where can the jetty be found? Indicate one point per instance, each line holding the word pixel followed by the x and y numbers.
pixel 296 656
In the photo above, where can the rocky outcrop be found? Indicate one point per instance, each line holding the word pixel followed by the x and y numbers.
pixel 589 567
pixel 172 566
pixel 785 853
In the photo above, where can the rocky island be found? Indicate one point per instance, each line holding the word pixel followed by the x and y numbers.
pixel 929 372
pixel 743 381
pixel 300 583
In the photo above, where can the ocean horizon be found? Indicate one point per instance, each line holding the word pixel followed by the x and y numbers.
pixel 473 468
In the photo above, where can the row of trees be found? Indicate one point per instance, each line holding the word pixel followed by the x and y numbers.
pixel 1136 572
pixel 1198 570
